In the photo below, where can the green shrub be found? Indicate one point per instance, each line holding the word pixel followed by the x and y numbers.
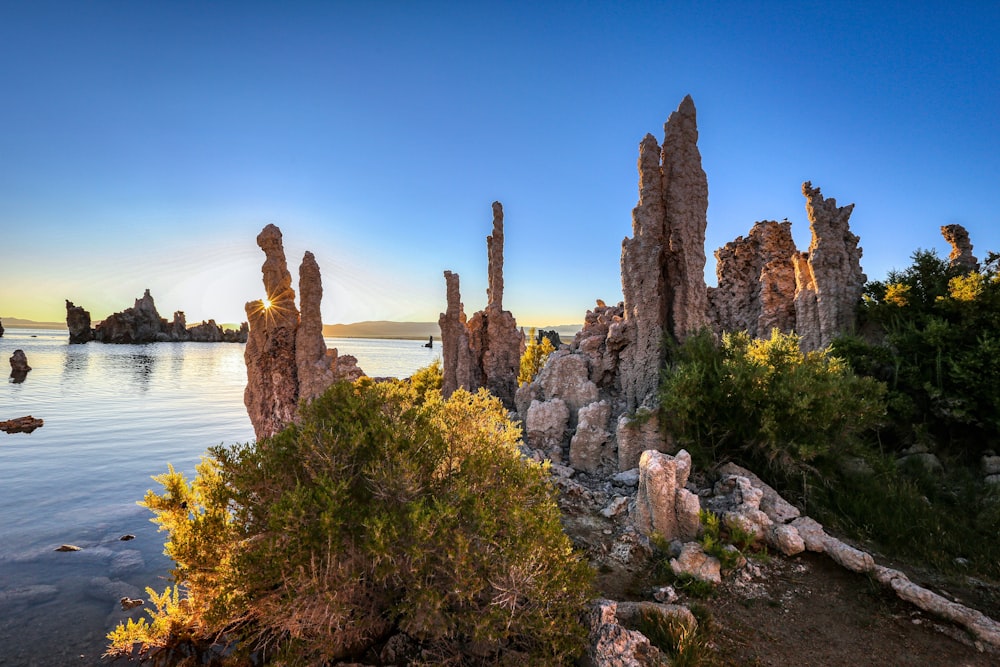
pixel 764 401
pixel 937 345
pixel 385 510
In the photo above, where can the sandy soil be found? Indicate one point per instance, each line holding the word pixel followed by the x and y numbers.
pixel 807 611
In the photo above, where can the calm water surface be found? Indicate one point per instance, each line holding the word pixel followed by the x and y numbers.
pixel 114 416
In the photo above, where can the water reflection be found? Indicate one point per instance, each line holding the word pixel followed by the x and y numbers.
pixel 76 361
pixel 142 365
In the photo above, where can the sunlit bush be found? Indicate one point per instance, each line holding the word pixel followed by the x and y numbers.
pixel 764 401
pixel 385 512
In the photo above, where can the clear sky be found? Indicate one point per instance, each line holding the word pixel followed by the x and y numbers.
pixel 145 144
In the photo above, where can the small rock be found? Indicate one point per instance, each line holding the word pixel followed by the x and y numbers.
pixel 618 505
pixel 21 424
pixel 68 547
pixel 991 465
pixel 665 594
pixel 627 478
pixel 695 562
pixel 127 537
pixel 130 603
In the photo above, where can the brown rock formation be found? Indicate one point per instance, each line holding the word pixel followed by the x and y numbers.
pixel 78 323
pixel 19 362
pixel 178 328
pixel 21 424
pixel 459 366
pixel 492 337
pixel 831 272
pixel 961 248
pixel 286 355
pixel 272 392
pixel 756 281
pixel 663 263
pixel 314 362
pixel 139 324
pixel 1 328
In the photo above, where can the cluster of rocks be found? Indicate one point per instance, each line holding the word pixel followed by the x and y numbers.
pixel 286 356
pixel 765 283
pixel 484 351
pixel 143 324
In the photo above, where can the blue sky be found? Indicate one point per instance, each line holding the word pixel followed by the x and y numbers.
pixel 146 144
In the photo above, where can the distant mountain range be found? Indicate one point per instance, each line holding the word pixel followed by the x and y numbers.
pixel 412 330
pixel 376 329
pixel 18 323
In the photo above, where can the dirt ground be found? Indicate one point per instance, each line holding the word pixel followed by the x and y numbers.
pixel 808 611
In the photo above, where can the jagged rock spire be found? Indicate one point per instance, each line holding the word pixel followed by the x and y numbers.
pixel 663 264
pixel 494 250
pixel 961 248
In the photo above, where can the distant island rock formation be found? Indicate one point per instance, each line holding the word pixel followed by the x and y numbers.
pixel 143 324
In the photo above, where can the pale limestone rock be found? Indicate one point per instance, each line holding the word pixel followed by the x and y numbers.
pixel 812 533
pixel 617 506
pixel 771 503
pixel 756 282
pixel 749 520
pixel 684 467
pixel 693 561
pixel 272 391
pixel 611 645
pixel 546 423
pixel 661 505
pixel 636 435
pixel 686 508
pixel 834 261
pixel 786 539
pixel 586 448
pixel 565 376
pixel 847 556
pixel 601 340
pixel 961 248
pixel 459 366
pixel 981 626
pixel 663 263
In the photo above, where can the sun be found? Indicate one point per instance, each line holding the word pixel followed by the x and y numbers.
pixel 266 303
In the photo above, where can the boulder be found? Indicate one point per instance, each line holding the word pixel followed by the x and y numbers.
pixel 565 377
pixel 546 424
pixel 21 424
pixel 586 449
pixel 636 434
pixel 78 323
pixel 661 505
pixel 19 363
pixel 612 645
pixel 694 562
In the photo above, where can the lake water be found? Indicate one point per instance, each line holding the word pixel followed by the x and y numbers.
pixel 114 416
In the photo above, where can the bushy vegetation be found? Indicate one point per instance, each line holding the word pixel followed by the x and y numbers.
pixel 936 332
pixel 386 512
pixel 764 402
pixel 534 357
pixel 827 428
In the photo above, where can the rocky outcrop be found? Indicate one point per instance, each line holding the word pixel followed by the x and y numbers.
pixel 21 424
pixel 459 367
pixel 272 391
pixel 961 248
pixel 484 351
pixel 829 279
pixel 19 362
pixel 756 281
pixel 662 504
pixel 286 356
pixel 1 329
pixel 663 263
pixel 143 324
pixel 78 323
